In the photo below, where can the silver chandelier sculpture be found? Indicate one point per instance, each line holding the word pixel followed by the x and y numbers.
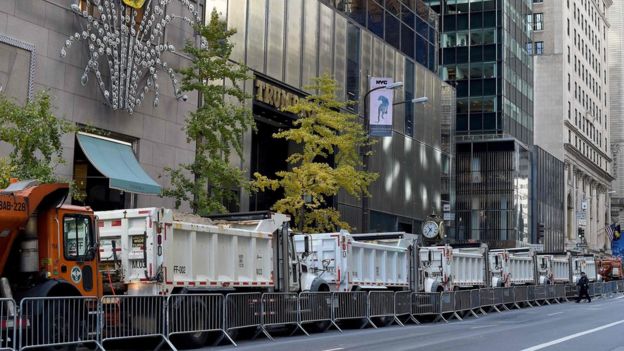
pixel 125 50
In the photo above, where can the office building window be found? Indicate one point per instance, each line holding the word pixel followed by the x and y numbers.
pixel 529 48
pixel 353 64
pixel 539 48
pixel 409 95
pixel 538 21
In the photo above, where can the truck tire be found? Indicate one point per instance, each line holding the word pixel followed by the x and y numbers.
pixel 56 328
pixel 319 285
pixel 193 313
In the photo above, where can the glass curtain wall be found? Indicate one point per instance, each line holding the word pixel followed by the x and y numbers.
pixel 408 25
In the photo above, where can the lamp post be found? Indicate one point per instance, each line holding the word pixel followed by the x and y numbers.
pixel 365 149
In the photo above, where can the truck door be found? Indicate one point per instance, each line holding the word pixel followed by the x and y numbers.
pixel 79 264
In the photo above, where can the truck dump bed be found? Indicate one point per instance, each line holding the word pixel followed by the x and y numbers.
pixel 156 250
pixel 345 263
pixel 468 268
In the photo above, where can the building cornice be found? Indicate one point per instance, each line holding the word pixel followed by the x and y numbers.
pixel 588 141
pixel 588 163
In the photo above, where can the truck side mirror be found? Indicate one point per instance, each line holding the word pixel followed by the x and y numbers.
pixel 306 244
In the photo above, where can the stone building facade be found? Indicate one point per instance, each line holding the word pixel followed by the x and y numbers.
pixel 32 34
pixel 572 108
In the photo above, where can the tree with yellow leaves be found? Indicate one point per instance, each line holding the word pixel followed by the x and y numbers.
pixel 323 129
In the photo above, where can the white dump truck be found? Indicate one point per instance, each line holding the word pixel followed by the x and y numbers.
pixel 339 262
pixel 435 268
pixel 154 251
pixel 510 267
pixel 553 268
pixel 585 264
pixel 444 268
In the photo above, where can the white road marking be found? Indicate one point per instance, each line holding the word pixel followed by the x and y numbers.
pixel 483 326
pixel 554 314
pixel 336 349
pixel 570 337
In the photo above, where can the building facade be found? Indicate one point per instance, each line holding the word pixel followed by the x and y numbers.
pixel 547 198
pixel 287 43
pixel 615 54
pixel 483 55
pixel 569 46
pixel 34 56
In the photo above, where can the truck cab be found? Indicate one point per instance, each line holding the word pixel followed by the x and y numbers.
pixel 46 248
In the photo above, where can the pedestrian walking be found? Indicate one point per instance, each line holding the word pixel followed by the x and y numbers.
pixel 583 285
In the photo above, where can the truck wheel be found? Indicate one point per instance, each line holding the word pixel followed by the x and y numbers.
pixel 193 314
pixel 57 328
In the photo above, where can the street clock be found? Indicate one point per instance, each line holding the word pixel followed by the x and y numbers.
pixel 430 229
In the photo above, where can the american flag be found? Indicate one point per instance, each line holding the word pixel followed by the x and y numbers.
pixel 609 229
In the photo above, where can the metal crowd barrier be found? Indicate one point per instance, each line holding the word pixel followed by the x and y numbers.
pixel 58 321
pixel 509 298
pixel 350 305
pixel 499 298
pixel 316 307
pixel 8 323
pixel 281 309
pixel 196 313
pixel 487 299
pixel 541 294
pixel 243 310
pixel 551 293
pixel 403 308
pixel 425 304
pixel 380 305
pixel 521 296
pixel 128 317
pixel 475 302
pixel 571 292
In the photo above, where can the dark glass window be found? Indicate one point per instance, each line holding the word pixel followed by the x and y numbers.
pixel 489 19
pixel 407 40
pixel 421 50
pixel 393 30
pixel 422 27
pixel 476 120
pixel 357 11
pixel 375 18
pixel 409 95
pixel 462 122
pixel 539 48
pixel 538 21
pixel 462 55
pixel 407 16
pixel 462 22
pixel 449 23
pixel 353 64
pixel 476 20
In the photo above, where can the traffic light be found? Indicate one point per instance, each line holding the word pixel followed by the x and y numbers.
pixel 581 233
pixel 540 230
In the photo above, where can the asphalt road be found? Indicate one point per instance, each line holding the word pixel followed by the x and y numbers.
pixel 598 326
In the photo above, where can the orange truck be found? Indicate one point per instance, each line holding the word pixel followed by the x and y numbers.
pixel 46 248
pixel 610 268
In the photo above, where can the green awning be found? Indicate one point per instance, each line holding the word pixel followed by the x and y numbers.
pixel 116 161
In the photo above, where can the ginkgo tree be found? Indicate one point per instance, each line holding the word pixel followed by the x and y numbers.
pixel 217 126
pixel 324 130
